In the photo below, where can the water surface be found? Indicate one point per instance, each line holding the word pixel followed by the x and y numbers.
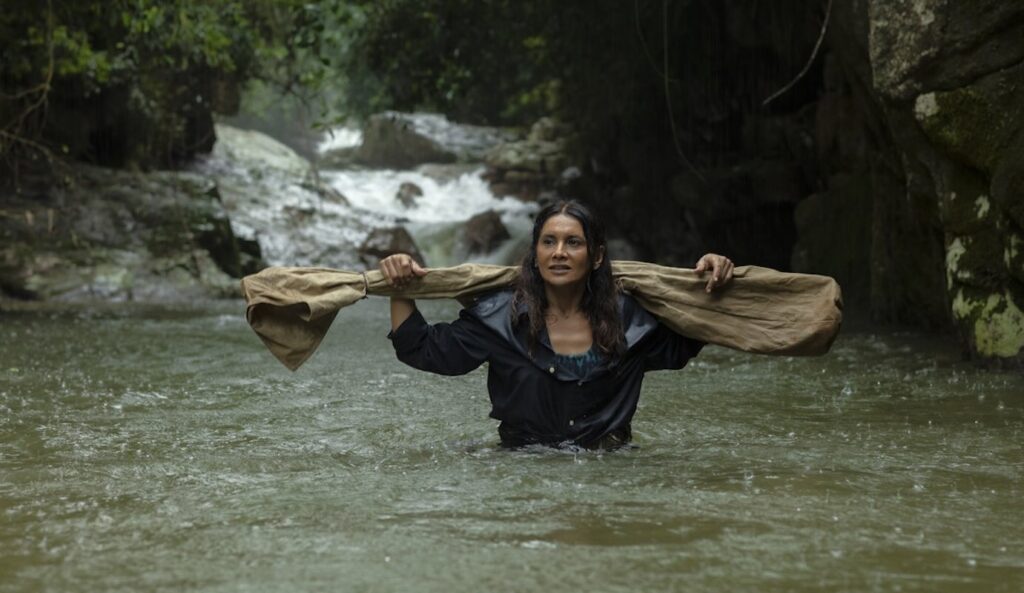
pixel 164 449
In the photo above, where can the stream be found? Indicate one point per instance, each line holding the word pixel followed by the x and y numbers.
pixel 157 448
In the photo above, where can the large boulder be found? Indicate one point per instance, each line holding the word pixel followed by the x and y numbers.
pixel 382 242
pixel 483 233
pixel 117 235
pixel 404 140
pixel 964 93
pixel 277 200
pixel 950 80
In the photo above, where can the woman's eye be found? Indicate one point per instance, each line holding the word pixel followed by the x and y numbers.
pixel 574 242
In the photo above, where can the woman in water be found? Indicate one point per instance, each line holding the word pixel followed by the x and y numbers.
pixel 566 350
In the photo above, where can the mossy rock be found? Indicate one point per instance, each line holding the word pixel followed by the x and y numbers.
pixel 965 205
pixel 1013 254
pixel 993 323
pixel 1008 183
pixel 977 260
pixel 975 124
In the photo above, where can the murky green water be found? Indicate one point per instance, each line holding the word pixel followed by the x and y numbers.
pixel 146 449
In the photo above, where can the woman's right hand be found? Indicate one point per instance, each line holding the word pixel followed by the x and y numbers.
pixel 399 269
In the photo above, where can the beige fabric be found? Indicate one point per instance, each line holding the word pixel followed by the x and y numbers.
pixel 761 310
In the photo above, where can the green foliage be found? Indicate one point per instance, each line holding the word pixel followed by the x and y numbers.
pixel 160 66
pixel 481 61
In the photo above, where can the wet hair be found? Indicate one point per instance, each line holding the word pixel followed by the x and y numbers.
pixel 600 299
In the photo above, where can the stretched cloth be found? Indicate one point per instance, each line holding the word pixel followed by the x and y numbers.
pixel 762 310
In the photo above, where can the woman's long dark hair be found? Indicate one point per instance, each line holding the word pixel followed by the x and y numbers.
pixel 600 299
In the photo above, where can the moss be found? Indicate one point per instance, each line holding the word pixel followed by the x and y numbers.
pixel 964 205
pixel 972 124
pixel 977 260
pixel 999 329
pixel 954 251
pixel 1013 256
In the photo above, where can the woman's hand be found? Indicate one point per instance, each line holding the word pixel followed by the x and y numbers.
pixel 399 269
pixel 720 267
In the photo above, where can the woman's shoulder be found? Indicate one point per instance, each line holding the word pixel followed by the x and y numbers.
pixel 637 323
pixel 491 303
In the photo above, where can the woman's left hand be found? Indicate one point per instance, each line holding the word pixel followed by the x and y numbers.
pixel 720 267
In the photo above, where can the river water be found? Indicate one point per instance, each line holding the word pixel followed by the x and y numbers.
pixel 164 449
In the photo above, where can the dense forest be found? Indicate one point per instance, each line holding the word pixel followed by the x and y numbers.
pixel 877 142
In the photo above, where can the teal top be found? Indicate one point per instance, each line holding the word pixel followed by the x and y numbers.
pixel 584 362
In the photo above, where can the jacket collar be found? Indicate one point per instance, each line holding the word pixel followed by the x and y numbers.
pixel 494 311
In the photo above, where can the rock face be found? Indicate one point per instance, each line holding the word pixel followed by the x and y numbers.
pixel 921 133
pixel 950 76
pixel 115 235
pixel 277 200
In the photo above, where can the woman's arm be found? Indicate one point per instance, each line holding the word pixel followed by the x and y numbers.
pixel 399 270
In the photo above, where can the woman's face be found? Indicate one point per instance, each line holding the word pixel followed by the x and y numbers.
pixel 563 257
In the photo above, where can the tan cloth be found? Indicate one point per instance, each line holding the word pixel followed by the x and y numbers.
pixel 761 310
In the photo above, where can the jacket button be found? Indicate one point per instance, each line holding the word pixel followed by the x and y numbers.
pixel 572 423
pixel 580 383
pixel 551 370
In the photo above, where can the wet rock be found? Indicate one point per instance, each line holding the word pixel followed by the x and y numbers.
pixel 407 194
pixel 919 45
pixel 527 167
pixel 275 199
pixel 949 74
pixel 258 153
pixel 338 158
pixel 446 173
pixel 404 140
pixel 117 235
pixel 383 242
pixel 483 233
pixel 392 140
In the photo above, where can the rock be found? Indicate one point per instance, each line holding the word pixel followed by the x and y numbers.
pixel 949 77
pixel 338 158
pixel 117 235
pixel 403 140
pixel 525 168
pixel 922 45
pixel 395 141
pixel 828 224
pixel 483 233
pixel 289 210
pixel 739 191
pixel 445 173
pixel 257 152
pixel 547 129
pixel 382 242
pixel 407 194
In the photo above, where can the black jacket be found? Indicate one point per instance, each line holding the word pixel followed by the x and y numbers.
pixel 538 399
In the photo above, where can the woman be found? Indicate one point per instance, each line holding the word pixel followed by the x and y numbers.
pixel 566 350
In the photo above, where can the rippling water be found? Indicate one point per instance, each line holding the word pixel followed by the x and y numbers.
pixel 146 449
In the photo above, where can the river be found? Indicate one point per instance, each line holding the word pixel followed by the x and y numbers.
pixel 148 448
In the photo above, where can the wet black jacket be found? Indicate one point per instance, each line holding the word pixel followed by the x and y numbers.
pixel 536 399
